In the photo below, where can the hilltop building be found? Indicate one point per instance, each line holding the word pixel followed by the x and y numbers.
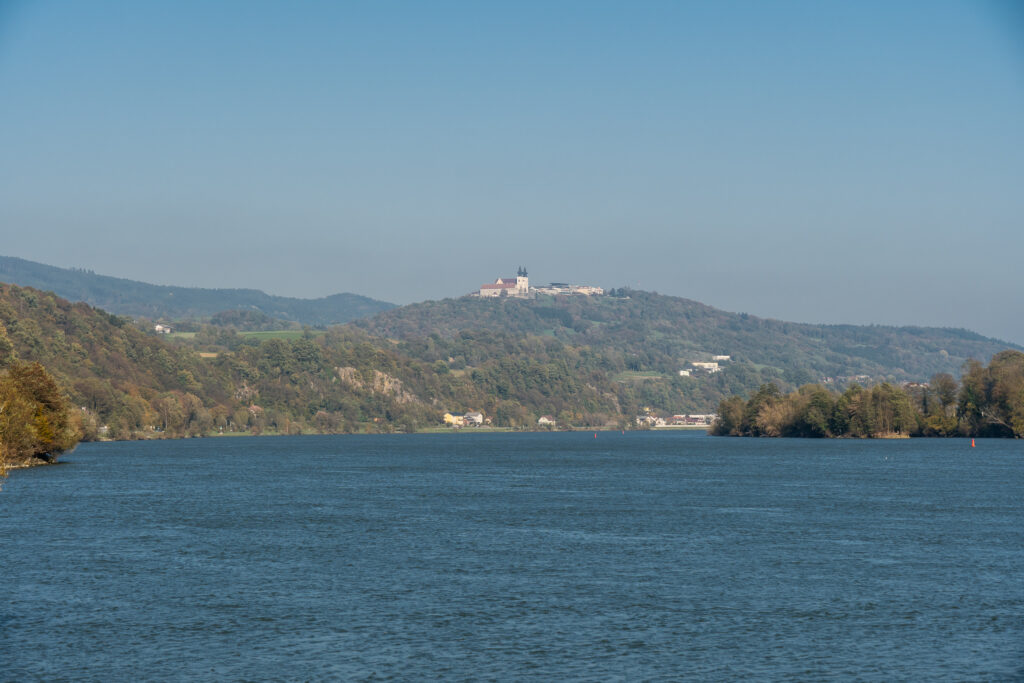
pixel 518 286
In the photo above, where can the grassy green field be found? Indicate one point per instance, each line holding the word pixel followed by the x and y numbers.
pixel 637 376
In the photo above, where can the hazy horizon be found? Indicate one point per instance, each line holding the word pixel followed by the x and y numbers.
pixel 822 163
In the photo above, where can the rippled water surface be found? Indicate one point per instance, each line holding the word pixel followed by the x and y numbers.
pixel 498 556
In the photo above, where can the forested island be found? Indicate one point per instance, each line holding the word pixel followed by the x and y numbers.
pixel 987 402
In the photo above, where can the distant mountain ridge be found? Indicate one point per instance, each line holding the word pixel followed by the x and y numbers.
pixel 134 298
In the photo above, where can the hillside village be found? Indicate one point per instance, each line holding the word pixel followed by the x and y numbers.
pixel 649 420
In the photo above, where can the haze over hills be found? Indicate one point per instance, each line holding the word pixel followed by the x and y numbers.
pixel 133 298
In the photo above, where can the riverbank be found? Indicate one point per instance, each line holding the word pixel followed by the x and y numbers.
pixel 660 428
pixel 484 429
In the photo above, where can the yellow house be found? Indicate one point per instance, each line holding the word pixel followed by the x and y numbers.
pixel 454 420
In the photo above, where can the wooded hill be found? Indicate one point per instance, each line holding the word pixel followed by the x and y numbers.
pixel 586 361
pixel 129 382
pixel 128 297
pixel 659 334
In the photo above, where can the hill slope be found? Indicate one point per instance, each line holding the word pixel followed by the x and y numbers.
pixel 129 382
pixel 661 334
pixel 129 297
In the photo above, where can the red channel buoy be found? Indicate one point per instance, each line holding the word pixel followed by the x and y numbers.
pixel 972 443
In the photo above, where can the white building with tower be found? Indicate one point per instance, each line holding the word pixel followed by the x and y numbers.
pixel 507 286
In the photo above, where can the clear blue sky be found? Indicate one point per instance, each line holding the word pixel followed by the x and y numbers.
pixel 816 161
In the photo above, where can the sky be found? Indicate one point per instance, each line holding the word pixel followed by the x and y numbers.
pixel 824 162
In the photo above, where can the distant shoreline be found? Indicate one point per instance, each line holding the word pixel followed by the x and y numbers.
pixel 426 430
pixel 670 427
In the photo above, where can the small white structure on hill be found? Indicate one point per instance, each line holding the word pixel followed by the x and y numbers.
pixel 556 288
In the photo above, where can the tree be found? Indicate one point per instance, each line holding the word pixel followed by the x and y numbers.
pixel 945 388
pixel 758 413
pixel 35 417
pixel 730 417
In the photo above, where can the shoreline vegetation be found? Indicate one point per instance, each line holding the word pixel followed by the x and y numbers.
pixel 988 401
pixel 51 457
pixel 36 421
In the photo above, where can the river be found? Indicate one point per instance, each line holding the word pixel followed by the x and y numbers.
pixel 636 556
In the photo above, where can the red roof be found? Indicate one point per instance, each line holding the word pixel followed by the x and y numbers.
pixel 501 286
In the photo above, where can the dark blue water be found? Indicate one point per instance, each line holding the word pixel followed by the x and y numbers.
pixel 537 556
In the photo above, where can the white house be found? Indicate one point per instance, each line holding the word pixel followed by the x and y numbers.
pixel 474 418
pixel 546 420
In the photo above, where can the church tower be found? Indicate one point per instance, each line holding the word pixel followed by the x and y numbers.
pixel 522 282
